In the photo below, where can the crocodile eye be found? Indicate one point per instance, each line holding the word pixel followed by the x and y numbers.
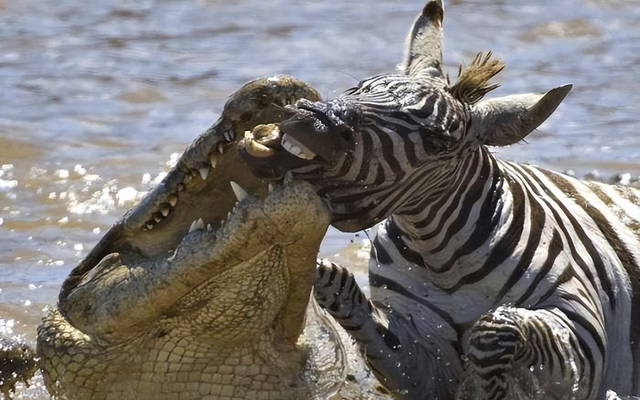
pixel 264 100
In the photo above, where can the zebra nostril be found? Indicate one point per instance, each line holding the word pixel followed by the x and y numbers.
pixel 343 114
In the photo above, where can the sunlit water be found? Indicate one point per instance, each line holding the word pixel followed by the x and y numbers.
pixel 96 98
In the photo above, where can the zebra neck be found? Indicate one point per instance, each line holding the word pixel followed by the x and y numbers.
pixel 457 221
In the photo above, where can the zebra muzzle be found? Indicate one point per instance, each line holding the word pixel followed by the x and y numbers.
pixel 302 140
pixel 263 139
pixel 259 141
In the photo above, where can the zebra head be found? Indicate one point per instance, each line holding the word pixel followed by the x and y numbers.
pixel 392 140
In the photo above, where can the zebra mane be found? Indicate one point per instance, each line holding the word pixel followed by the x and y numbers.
pixel 472 83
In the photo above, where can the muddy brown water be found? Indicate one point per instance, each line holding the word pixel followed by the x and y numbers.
pixel 97 99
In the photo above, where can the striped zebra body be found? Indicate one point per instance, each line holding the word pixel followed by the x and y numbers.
pixel 528 239
pixel 489 279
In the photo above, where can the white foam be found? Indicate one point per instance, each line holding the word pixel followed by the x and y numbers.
pixel 127 195
pixel 79 170
pixel 9 184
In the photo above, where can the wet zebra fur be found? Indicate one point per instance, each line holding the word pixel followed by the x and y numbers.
pixel 558 315
pixel 489 279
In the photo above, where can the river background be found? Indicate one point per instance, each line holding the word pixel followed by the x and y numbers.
pixel 97 98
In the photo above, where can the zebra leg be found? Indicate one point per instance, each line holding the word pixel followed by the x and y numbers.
pixel 515 353
pixel 403 361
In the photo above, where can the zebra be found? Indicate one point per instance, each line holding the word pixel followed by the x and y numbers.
pixel 489 279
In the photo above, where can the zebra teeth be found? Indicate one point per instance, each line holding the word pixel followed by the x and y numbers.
pixel 270 187
pixel 204 172
pixel 173 200
pixel 296 148
pixel 229 135
pixel 197 224
pixel 213 159
pixel 256 149
pixel 240 193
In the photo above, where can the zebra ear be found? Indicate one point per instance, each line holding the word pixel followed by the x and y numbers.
pixel 508 120
pixel 423 47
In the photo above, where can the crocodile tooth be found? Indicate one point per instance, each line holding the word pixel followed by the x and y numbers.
pixel 173 200
pixel 149 226
pixel 165 210
pixel 213 159
pixel 156 218
pixel 229 135
pixel 270 188
pixel 173 255
pixel 196 224
pixel 209 228
pixel 240 193
pixel 204 172
pixel 220 148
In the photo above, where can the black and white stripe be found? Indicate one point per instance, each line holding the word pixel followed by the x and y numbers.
pixel 489 279
pixel 467 240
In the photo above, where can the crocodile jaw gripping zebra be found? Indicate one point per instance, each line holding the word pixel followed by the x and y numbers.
pixel 489 279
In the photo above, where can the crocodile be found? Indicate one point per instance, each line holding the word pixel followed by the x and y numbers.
pixel 203 291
